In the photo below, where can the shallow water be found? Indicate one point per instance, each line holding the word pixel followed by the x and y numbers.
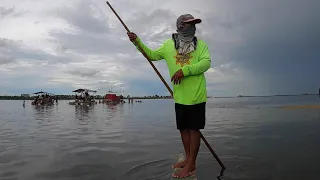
pixel 140 141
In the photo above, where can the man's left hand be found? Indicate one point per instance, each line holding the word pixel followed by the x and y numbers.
pixel 177 77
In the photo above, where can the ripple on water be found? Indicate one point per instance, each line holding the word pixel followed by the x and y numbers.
pixel 133 141
pixel 158 169
pixel 8 175
pixel 110 136
pixel 238 168
pixel 14 164
pixel 132 155
pixel 80 172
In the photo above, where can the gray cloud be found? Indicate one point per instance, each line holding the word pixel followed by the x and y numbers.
pixel 277 43
pixel 92 30
pixel 86 43
pixel 273 32
pixel 85 16
pixel 5 51
pixel 16 50
pixel 257 47
pixel 5 60
pixel 282 46
pixel 4 12
pixel 84 72
pixel 6 43
pixel 95 35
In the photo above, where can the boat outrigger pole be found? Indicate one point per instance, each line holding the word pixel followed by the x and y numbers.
pixel 165 83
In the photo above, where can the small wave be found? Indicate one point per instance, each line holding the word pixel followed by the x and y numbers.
pixel 150 170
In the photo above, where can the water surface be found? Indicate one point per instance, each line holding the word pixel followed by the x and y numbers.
pixel 139 141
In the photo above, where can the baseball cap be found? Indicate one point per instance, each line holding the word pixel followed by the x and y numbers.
pixel 188 18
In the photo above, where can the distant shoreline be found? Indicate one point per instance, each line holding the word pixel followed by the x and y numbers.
pixel 240 96
pixel 72 97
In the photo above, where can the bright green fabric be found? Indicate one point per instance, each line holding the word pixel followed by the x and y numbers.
pixel 192 89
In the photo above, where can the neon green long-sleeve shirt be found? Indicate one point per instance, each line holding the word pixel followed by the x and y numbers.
pixel 192 89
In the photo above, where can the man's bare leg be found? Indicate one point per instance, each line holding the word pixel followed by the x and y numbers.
pixel 185 137
pixel 194 149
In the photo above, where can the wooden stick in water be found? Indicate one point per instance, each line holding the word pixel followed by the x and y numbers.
pixel 165 83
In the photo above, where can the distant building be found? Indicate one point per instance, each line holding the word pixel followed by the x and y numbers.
pixel 25 95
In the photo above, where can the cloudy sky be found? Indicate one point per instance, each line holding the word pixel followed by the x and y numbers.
pixel 257 47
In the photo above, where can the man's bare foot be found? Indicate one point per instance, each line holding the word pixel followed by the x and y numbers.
pixel 185 172
pixel 180 164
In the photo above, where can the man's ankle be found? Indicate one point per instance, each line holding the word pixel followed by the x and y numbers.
pixel 191 165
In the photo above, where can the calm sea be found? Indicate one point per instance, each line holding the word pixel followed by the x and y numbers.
pixel 139 141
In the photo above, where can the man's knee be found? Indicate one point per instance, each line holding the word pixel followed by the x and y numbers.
pixel 194 131
pixel 182 131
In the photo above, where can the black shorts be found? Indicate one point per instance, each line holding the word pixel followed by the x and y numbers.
pixel 190 116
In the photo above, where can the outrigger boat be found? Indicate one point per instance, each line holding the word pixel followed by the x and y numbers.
pixel 83 97
pixel 43 98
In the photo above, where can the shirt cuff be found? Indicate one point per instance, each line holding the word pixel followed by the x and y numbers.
pixel 186 71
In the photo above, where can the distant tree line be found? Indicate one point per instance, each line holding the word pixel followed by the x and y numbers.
pixel 150 97
pixel 59 97
pixel 70 97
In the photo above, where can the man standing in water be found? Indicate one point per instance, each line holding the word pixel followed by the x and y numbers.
pixel 187 58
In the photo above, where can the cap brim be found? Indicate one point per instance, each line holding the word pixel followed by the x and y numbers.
pixel 196 21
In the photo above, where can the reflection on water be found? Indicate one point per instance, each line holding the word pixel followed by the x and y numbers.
pixel 140 141
pixel 43 112
pixel 83 112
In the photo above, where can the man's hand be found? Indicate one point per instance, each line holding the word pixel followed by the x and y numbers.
pixel 132 36
pixel 177 77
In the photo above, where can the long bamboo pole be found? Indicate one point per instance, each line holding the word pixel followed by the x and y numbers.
pixel 165 83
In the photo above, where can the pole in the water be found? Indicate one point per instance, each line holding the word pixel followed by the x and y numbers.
pixel 165 83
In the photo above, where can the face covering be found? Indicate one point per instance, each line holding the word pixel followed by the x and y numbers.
pixel 186 34
pixel 184 38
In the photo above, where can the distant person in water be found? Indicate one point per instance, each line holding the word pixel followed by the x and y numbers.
pixel 187 58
